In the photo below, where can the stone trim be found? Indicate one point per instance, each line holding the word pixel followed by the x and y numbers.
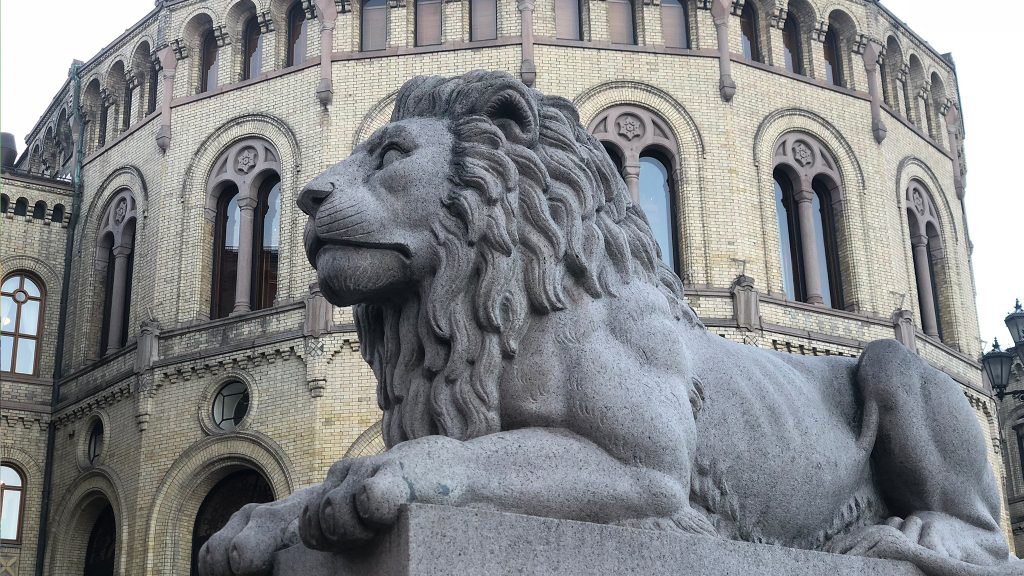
pixel 74 518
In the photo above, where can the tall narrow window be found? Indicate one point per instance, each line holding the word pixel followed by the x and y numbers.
pixel 374 25
pixel 4 203
pixel 748 33
pixel 227 497
pixel 297 25
pixel 621 27
pixel 252 49
pixel 267 241
pixel 656 201
pixel 12 504
pixel 39 210
pixel 483 18
pixel 567 20
pixel 833 58
pixel 126 105
pixel 117 250
pixel 791 44
pixel 790 253
pixel 151 93
pixel 57 217
pixel 927 248
pixel 428 22
pixel 675 23
pixel 99 553
pixel 21 301
pixel 225 259
pixel 103 124
pixel 208 63
pixel 828 250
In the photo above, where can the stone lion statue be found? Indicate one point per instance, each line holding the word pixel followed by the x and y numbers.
pixel 535 356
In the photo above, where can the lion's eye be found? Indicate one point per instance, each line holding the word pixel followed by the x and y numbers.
pixel 390 154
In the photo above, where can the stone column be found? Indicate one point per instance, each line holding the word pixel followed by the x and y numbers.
pixel 952 122
pixel 631 174
pixel 328 17
pixel 168 61
pixel 809 244
pixel 924 284
pixel 872 59
pixel 720 12
pixel 117 296
pixel 528 68
pixel 243 283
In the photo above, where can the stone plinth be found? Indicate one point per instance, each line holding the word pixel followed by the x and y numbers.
pixel 435 540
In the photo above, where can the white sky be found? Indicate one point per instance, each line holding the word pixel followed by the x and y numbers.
pixel 36 50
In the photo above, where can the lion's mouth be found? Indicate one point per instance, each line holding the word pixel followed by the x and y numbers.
pixel 314 244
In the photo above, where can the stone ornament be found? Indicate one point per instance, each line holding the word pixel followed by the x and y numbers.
pixel 535 356
pixel 630 126
pixel 246 160
pixel 802 153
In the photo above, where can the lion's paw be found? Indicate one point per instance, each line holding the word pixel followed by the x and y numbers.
pixel 247 543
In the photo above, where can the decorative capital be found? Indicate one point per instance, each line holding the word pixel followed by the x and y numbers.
pixel 861 44
pixel 131 79
pixel 344 6
pixel 309 7
pixel 820 31
pixel 266 23
pixel 106 98
pixel 778 18
pixel 221 36
pixel 396 3
pixel 903 72
pixel 737 6
pixel 180 49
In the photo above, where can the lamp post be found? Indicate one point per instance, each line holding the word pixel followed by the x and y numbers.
pixel 998 363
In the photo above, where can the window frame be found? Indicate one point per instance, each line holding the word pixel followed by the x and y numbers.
pixel 219 235
pixel 298 27
pixel 474 33
pixel 749 16
pixel 665 158
pixel 249 28
pixel 209 61
pixel 256 285
pixel 634 38
pixel 40 321
pixel 560 7
pixel 791 34
pixel 20 521
pixel 834 65
pixel 796 249
pixel 419 25
pixel 365 11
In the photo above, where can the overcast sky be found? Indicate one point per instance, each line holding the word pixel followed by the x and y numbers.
pixel 980 40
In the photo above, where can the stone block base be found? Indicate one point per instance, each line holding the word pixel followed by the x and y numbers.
pixel 436 540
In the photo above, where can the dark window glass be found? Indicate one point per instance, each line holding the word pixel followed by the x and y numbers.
pixel 5 202
pixel 748 33
pixel 252 49
pixel 675 23
pixel 483 18
pixel 58 214
pixel 39 210
pixel 126 106
pixel 883 71
pixel 94 449
pixel 227 497
pixel 790 252
pixel 656 201
pixel 620 22
pixel 828 249
pixel 225 258
pixel 208 63
pixel 151 105
pixel 103 124
pixel 21 313
pixel 428 22
pixel 108 294
pixel 230 405
pixel 935 289
pixel 615 156
pixel 21 207
pixel 296 35
pixel 567 20
pixel 374 25
pixel 267 241
pixel 791 43
pixel 99 554
pixel 833 61
pixel 12 504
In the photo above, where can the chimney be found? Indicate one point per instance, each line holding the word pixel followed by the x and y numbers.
pixel 8 150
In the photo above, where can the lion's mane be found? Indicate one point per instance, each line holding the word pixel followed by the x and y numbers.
pixel 534 219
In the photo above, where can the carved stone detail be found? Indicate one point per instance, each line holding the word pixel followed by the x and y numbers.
pixel 802 153
pixel 246 160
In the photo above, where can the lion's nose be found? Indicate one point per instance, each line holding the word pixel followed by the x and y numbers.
pixel 314 194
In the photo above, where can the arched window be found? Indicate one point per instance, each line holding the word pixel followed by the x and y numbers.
pixel 749 36
pixel 99 554
pixel 103 124
pixel 21 207
pixel 657 199
pixel 892 77
pixel 927 247
pixel 621 25
pixel 39 210
pixel 21 300
pixel 12 503
pixel 126 104
pixel 675 23
pixel 483 19
pixel 151 92
pixel 115 255
pixel 640 144
pixel 5 202
pixel 791 44
pixel 227 497
pixel 297 26
pixel 374 25
pixel 428 22
pixel 252 48
pixel 833 58
pixel 568 24
pixel 95 443
pixel 225 259
pixel 807 204
pixel 58 214
pixel 208 62
pixel 246 212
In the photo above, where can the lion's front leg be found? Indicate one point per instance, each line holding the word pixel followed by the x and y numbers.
pixel 536 471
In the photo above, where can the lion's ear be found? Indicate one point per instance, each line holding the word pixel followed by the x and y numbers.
pixel 514 113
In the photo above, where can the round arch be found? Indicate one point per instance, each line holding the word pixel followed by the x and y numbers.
pixel 91 492
pixel 379 115
pixel 192 476
pixel 369 442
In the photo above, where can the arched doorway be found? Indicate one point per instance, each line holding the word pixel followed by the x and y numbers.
pixel 99 554
pixel 227 497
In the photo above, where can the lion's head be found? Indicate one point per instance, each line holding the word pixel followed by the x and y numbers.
pixel 481 203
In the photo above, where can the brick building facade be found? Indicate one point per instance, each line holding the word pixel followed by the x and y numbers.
pixel 810 150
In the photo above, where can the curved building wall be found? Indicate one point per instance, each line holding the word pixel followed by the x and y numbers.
pixel 311 397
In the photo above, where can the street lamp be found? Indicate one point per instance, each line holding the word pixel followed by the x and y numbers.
pixel 1015 324
pixel 997 365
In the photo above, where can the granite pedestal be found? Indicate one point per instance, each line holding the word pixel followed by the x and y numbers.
pixel 435 540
